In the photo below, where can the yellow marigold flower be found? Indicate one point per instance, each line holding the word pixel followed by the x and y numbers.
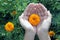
pixel 51 33
pixel 14 12
pixel 9 26
pixel 34 19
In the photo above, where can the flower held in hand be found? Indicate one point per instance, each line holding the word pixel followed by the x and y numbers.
pixel 34 19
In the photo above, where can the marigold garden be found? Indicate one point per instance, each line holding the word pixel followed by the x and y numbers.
pixel 10 10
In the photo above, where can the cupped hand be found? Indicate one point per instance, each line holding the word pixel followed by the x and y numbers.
pixel 25 23
pixel 30 30
pixel 43 26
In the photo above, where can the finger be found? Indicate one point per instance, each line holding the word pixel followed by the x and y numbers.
pixel 28 25
pixel 39 26
pixel 45 15
pixel 24 23
pixel 46 22
pixel 49 14
pixel 29 8
pixel 43 8
pixel 49 17
pixel 21 16
pixel 41 12
pixel 33 9
pixel 21 21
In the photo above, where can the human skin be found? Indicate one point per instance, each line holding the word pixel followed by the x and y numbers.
pixel 30 31
pixel 42 28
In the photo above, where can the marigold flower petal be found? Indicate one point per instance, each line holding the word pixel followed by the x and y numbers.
pixel 34 19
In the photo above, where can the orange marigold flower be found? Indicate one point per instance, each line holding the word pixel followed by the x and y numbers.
pixel 14 12
pixel 9 26
pixel 51 33
pixel 34 19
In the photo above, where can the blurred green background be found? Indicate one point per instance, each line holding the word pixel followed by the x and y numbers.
pixel 10 10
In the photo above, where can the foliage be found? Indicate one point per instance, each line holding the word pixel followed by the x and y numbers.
pixel 10 10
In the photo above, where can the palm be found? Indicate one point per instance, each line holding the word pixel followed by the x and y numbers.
pixel 42 12
pixel 43 26
pixel 25 23
pixel 28 11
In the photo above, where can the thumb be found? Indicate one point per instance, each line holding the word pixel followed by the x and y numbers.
pixel 46 23
pixel 25 24
pixel 49 17
pixel 21 20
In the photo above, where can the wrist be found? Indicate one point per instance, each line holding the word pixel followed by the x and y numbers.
pixel 29 35
pixel 43 36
